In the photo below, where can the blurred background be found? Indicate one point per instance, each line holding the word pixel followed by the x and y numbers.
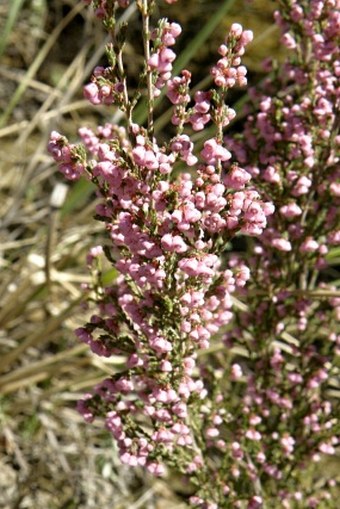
pixel 49 458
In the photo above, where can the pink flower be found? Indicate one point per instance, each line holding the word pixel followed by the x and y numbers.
pixel 213 152
pixel 289 41
pixel 155 468
pixel 282 244
pixel 212 433
pixel 91 92
pixel 253 434
pixel 309 245
pixel 334 189
pixel 287 443
pixel 160 345
pixel 177 89
pixel 189 266
pixel 237 178
pixel 271 175
pixel 290 210
pixel 236 372
pixel 255 502
pixel 247 37
pixel 236 30
pixel 326 448
pixel 174 243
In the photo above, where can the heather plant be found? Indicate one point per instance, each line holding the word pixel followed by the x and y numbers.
pixel 228 356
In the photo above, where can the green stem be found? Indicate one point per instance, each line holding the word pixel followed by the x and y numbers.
pixel 146 42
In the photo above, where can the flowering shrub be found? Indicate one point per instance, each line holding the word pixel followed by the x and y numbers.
pixel 228 356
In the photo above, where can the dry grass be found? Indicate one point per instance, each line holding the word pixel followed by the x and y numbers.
pixel 48 457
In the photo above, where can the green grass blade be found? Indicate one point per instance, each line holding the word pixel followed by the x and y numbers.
pixel 77 197
pixel 333 253
pixel 202 36
pixel 14 8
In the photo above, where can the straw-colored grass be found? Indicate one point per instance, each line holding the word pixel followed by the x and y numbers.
pixel 48 457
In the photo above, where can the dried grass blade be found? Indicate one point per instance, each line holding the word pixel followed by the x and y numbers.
pixel 42 334
pixel 41 56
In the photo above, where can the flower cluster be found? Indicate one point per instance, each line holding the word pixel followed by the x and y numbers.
pixel 228 71
pixel 240 423
pixel 289 326
pixel 173 293
pixel 68 156
pixel 104 9
pixel 210 105
pixel 162 57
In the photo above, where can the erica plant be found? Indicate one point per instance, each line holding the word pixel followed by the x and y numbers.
pixel 229 356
